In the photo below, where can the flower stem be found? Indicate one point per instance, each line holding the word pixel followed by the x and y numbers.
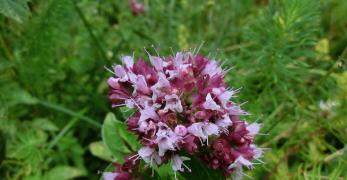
pixel 90 31
pixel 70 112
pixel 63 132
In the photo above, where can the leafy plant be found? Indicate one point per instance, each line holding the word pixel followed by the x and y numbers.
pixel 288 55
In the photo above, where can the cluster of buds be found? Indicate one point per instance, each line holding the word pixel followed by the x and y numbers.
pixel 183 106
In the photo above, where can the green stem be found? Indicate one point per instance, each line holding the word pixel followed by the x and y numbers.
pixel 5 47
pixel 66 128
pixel 330 71
pixel 336 154
pixel 102 52
pixel 71 113
pixel 90 31
pixel 272 115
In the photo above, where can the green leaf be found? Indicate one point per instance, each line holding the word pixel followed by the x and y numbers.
pixel 117 138
pixel 19 96
pixel 126 111
pixel 44 124
pixel 27 147
pixel 165 172
pixel 64 173
pixel 15 9
pixel 45 35
pixel 99 150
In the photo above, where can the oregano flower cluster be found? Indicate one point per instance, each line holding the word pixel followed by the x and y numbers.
pixel 182 108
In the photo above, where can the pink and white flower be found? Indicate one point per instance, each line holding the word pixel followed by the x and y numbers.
pixel 179 100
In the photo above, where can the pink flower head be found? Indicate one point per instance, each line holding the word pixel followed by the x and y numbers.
pixel 181 102
pixel 136 7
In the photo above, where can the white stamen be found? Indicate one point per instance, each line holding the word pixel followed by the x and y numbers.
pixel 263 134
pixel 173 54
pixel 260 161
pixel 246 175
pixel 243 103
pixel 119 105
pixel 138 106
pixel 136 155
pixel 109 70
pixel 149 55
pixel 196 53
pixel 136 158
pixel 187 167
pixel 155 50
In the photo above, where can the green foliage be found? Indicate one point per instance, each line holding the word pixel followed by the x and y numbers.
pixel 52 23
pixel 15 9
pixel 117 138
pixel 64 173
pixel 99 150
pixel 289 55
pixel 281 52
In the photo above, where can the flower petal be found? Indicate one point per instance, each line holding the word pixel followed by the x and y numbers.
pixel 177 163
pixel 173 103
pixel 148 113
pixel 196 130
pixel 128 61
pixel 210 129
pixel 225 122
pixel 253 128
pixel 109 175
pixel 145 152
pixel 210 103
pixel 157 62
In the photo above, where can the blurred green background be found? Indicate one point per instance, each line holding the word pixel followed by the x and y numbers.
pixel 288 56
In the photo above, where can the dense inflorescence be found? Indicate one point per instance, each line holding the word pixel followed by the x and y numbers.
pixel 182 106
